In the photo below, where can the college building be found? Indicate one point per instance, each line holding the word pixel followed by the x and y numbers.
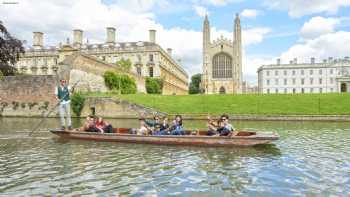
pixel 147 57
pixel 222 61
pixel 330 75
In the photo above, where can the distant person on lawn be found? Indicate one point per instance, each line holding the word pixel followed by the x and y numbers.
pixel 62 94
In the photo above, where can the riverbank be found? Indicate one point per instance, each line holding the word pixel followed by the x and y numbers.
pixel 247 104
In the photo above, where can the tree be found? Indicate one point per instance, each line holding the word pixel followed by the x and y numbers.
pixel 10 50
pixel 120 82
pixel 154 85
pixel 195 84
pixel 124 64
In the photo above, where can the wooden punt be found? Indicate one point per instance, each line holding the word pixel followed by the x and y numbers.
pixel 194 138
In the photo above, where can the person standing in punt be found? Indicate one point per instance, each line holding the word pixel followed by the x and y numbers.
pixel 177 127
pixel 62 95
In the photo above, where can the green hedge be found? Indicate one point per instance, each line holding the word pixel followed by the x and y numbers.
pixel 154 85
pixel 120 82
pixel 78 100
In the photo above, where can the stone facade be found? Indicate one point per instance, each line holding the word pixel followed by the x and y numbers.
pixel 147 57
pixel 332 75
pixel 222 62
pixel 27 95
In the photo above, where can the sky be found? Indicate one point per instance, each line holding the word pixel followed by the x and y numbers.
pixel 271 29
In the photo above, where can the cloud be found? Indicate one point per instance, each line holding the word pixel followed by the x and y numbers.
pixel 336 44
pixel 298 8
pixel 250 13
pixel 200 10
pixel 220 2
pixel 317 26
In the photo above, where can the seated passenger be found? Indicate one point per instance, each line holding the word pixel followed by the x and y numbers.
pixel 103 126
pixel 153 123
pixel 212 126
pixel 89 125
pixel 177 128
pixel 222 130
pixel 144 129
pixel 227 125
pixel 162 129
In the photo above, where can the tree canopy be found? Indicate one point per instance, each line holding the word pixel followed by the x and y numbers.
pixel 124 64
pixel 195 84
pixel 10 50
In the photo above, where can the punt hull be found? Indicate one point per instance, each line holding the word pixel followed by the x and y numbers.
pixel 191 140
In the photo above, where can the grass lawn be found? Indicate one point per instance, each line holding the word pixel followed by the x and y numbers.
pixel 274 104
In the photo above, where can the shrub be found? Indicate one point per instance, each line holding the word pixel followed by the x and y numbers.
pixel 121 82
pixel 1 75
pixel 124 64
pixel 32 104
pixel 154 85
pixel 78 100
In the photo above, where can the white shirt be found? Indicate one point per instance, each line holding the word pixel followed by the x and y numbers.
pixel 56 93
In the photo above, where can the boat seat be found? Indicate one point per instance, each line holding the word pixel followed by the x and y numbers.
pixel 121 130
pixel 245 133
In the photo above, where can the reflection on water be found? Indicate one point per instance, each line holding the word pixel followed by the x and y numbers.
pixel 311 158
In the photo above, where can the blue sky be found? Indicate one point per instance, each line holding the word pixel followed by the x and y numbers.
pixel 271 28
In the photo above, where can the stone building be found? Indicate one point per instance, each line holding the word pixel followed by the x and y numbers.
pixel 332 75
pixel 222 61
pixel 147 57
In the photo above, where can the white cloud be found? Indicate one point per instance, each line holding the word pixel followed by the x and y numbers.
pixel 335 45
pixel 250 13
pixel 297 8
pixel 200 10
pixel 317 26
pixel 220 2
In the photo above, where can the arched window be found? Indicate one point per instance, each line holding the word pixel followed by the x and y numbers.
pixel 222 90
pixel 222 66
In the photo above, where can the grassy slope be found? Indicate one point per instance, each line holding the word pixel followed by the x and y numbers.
pixel 246 104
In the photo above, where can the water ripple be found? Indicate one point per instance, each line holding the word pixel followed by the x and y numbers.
pixel 310 159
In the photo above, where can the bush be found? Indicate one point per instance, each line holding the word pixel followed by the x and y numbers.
pixel 154 85
pixel 124 64
pixel 78 100
pixel 120 82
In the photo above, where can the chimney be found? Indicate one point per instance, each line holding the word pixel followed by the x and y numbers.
pixel 170 51
pixel 278 61
pixel 330 59
pixel 291 62
pixel 77 37
pixel 324 61
pixel 312 60
pixel 152 36
pixel 110 35
pixel 295 60
pixel 38 41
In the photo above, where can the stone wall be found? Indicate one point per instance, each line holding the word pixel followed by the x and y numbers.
pixel 89 72
pixel 115 108
pixel 27 95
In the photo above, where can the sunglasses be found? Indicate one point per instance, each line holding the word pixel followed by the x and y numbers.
pixel 223 119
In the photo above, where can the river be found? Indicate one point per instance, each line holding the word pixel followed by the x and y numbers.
pixel 310 159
